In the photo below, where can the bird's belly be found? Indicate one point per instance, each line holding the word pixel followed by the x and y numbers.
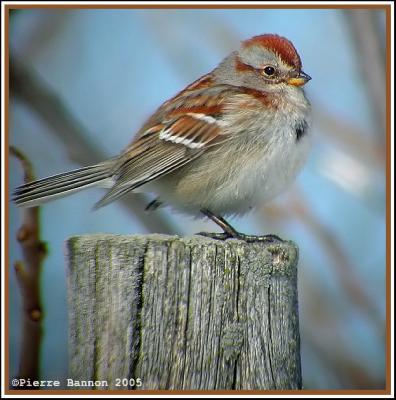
pixel 261 178
pixel 232 184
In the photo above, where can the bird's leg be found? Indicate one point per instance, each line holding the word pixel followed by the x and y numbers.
pixel 229 232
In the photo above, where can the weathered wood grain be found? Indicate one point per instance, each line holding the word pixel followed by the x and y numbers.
pixel 183 313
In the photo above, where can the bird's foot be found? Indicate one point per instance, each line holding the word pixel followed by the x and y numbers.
pixel 231 233
pixel 241 236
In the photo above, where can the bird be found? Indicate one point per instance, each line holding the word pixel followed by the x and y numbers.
pixel 233 139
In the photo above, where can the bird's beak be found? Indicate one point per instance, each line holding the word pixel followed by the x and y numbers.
pixel 300 78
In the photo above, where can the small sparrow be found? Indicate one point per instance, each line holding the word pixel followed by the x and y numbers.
pixel 232 139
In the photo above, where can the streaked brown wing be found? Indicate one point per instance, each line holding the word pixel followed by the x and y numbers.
pixel 176 134
pixel 188 108
pixel 148 165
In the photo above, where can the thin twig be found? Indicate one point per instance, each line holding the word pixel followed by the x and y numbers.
pixel 28 274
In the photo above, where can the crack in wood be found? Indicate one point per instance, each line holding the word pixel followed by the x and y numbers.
pixel 187 317
pixel 137 333
pixel 270 347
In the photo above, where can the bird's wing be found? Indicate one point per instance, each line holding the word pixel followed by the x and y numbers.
pixel 181 130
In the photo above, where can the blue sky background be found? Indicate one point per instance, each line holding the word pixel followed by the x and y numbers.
pixel 113 68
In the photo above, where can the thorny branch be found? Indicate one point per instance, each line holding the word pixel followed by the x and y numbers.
pixel 28 276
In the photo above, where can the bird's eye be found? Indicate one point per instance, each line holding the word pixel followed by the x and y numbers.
pixel 269 71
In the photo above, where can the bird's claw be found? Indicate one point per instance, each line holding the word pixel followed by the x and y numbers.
pixel 241 236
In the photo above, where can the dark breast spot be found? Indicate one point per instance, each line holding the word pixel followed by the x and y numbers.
pixel 301 129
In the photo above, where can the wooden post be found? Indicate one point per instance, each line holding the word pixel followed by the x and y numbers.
pixel 163 312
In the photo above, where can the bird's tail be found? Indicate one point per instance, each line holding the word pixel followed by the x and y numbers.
pixel 43 190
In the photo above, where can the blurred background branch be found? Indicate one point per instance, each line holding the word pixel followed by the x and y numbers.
pixel 28 87
pixel 347 273
pixel 358 143
pixel 368 34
